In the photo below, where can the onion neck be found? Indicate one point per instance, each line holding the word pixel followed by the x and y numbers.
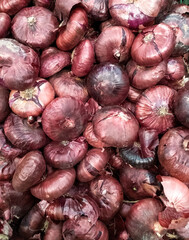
pixel 149 37
pixel 31 20
pixel 162 111
pixel 27 94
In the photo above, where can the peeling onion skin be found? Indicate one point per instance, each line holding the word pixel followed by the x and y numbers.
pixel 32 32
pixel 158 39
pixel 4 105
pixel 54 185
pixel 32 101
pixel 154 109
pixel 5 23
pixel 53 231
pixel 29 171
pixel 114 44
pixel 11 7
pixel 173 153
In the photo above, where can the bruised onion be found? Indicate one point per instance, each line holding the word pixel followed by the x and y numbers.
pixel 175 68
pixel 66 84
pixel 11 7
pixel 173 153
pixel 29 171
pixel 52 61
pixel 32 31
pixel 54 230
pixel 4 105
pixel 113 44
pixel 74 31
pixel 64 119
pixel 5 22
pixel 93 163
pixel 24 135
pixel 54 185
pixel 158 39
pixel 115 126
pixel 143 77
pixel 108 193
pixel 108 84
pixel 83 57
pixel 65 154
pixel 32 101
pixel 154 109
pixel 19 65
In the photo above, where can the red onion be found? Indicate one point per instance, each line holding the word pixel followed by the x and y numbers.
pixel 108 23
pixel 83 57
pixel 116 161
pixel 5 22
pixel 173 153
pixel 92 107
pixel 92 165
pixel 113 44
pixel 6 230
pixel 129 106
pixel 55 185
pixel 74 31
pixel 134 94
pixel 108 84
pixel 52 61
pixel 19 65
pixel 158 39
pixel 53 231
pixel 13 6
pixel 66 84
pixel 108 193
pixel 143 77
pixel 65 154
pixel 154 108
pixel 4 103
pixel 125 208
pixel 32 101
pixel 44 3
pixel 64 119
pixel 176 68
pixel 115 126
pixel 7 169
pixel 24 135
pixel 29 171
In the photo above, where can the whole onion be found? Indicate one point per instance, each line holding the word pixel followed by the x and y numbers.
pixel 108 84
pixel 176 68
pixel 158 39
pixel 28 27
pixel 19 65
pixel 5 22
pixel 4 103
pixel 52 61
pixel 113 44
pixel 11 7
pixel 64 119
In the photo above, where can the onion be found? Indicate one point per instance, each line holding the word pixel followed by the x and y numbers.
pixel 92 107
pixel 11 7
pixel 83 57
pixel 113 44
pixel 4 104
pixel 24 135
pixel 173 153
pixel 55 185
pixel 154 109
pixel 115 126
pixel 44 3
pixel 74 31
pixel 19 65
pixel 7 169
pixel 65 154
pixel 32 32
pixel 144 77
pixel 108 84
pixel 129 106
pixel 54 230
pixel 134 94
pixel 29 171
pixel 66 84
pixel 52 61
pixel 176 68
pixel 5 22
pixel 116 161
pixel 64 119
pixel 158 39
pixel 32 101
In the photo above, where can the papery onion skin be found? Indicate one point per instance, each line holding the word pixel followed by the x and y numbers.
pixel 44 3
pixel 66 84
pixel 52 61
pixel 54 230
pixel 158 39
pixel 108 84
pixel 19 65
pixel 32 101
pixel 175 68
pixel 173 153
pixel 29 171
pixel 154 109
pixel 23 135
pixel 92 107
pixel 144 77
pixel 64 119
pixel 11 7
pixel 55 185
pixel 129 106
pixel 4 105
pixel 116 161
pixel 5 22
pixel 114 44
pixel 108 193
pixel 92 165
pixel 115 126
pixel 65 154
pixel 83 57
pixel 74 31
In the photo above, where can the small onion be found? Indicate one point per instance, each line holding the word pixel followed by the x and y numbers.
pixel 5 22
pixel 176 69
pixel 11 7
pixel 4 105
